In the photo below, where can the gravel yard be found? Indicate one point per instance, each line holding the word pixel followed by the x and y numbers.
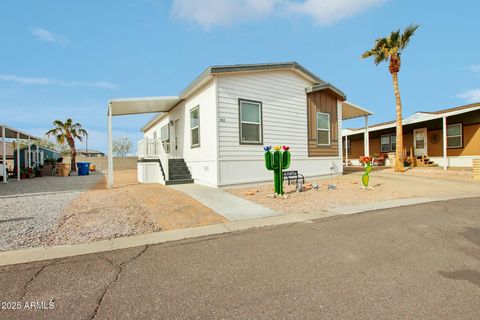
pixel 50 184
pixel 384 186
pixel 53 211
pixel 25 220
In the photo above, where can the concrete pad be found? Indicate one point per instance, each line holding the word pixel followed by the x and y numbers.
pixel 231 207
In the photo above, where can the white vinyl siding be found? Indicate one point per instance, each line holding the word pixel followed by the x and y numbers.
pixel 284 116
pixel 195 127
pixel 323 129
pixel 454 135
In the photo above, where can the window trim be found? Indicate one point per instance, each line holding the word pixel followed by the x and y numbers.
pixel 192 146
pixel 240 122
pixel 167 140
pixel 455 136
pixel 329 130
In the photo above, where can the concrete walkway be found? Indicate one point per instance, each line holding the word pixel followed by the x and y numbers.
pixel 231 207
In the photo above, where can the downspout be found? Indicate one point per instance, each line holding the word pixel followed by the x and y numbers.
pixel 217 126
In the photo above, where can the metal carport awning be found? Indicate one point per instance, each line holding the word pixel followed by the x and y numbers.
pixel 131 106
pixel 7 132
pixel 352 111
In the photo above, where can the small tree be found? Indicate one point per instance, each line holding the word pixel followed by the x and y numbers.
pixel 66 133
pixel 121 146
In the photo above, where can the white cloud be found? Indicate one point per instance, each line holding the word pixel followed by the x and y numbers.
pixel 471 95
pixel 475 68
pixel 220 12
pixel 63 83
pixel 47 36
pixel 208 13
pixel 329 11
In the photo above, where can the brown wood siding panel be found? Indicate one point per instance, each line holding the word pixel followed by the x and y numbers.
pixel 327 103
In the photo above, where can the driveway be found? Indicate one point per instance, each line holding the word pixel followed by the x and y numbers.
pixel 30 209
pixel 418 262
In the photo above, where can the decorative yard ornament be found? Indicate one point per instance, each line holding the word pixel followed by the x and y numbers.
pixel 332 187
pixel 368 169
pixel 299 187
pixel 277 162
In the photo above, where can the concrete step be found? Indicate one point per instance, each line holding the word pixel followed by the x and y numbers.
pixel 178 181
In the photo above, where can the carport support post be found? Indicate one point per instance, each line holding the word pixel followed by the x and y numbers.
pixel 29 153
pixel 4 156
pixel 445 158
pixel 110 147
pixel 366 139
pixel 18 156
pixel 37 153
pixel 346 151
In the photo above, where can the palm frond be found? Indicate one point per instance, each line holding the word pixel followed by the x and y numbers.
pixel 407 34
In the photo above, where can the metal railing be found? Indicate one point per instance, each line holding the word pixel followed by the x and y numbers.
pixel 155 149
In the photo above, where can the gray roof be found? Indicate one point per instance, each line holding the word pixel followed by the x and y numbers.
pixel 250 67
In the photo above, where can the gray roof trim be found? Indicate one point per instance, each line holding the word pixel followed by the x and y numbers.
pixel 249 67
pixel 327 86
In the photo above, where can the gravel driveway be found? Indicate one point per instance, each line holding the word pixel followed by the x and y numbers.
pixel 31 209
pixel 50 184
pixel 25 220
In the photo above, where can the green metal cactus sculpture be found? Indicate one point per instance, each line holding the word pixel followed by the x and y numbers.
pixel 277 162
pixel 368 169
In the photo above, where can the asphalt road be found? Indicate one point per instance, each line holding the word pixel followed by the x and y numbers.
pixel 419 262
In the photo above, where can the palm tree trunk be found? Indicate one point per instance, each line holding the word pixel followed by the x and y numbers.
pixel 73 154
pixel 399 140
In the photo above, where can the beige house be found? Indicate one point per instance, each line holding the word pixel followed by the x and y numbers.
pixel 424 134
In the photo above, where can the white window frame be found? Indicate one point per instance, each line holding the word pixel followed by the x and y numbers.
pixel 260 124
pixel 455 136
pixel 328 130
pixel 193 128
pixel 165 141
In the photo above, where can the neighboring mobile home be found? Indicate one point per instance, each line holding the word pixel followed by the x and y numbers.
pixel 37 158
pixel 215 130
pixel 424 133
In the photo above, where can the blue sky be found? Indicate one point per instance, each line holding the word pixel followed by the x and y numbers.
pixel 67 58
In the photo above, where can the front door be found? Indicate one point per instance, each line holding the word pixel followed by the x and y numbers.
pixel 177 143
pixel 420 142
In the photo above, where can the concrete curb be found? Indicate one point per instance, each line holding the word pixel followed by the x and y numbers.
pixel 64 251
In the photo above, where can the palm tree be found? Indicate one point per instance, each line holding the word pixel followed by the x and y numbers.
pixel 67 132
pixel 390 48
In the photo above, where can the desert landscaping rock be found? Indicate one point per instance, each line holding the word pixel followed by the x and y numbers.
pixel 40 217
pixel 25 221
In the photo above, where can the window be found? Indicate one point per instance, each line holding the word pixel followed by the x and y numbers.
pixel 165 137
pixel 454 135
pixel 195 127
pixel 393 142
pixel 323 129
pixel 155 135
pixel 250 122
pixel 388 142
